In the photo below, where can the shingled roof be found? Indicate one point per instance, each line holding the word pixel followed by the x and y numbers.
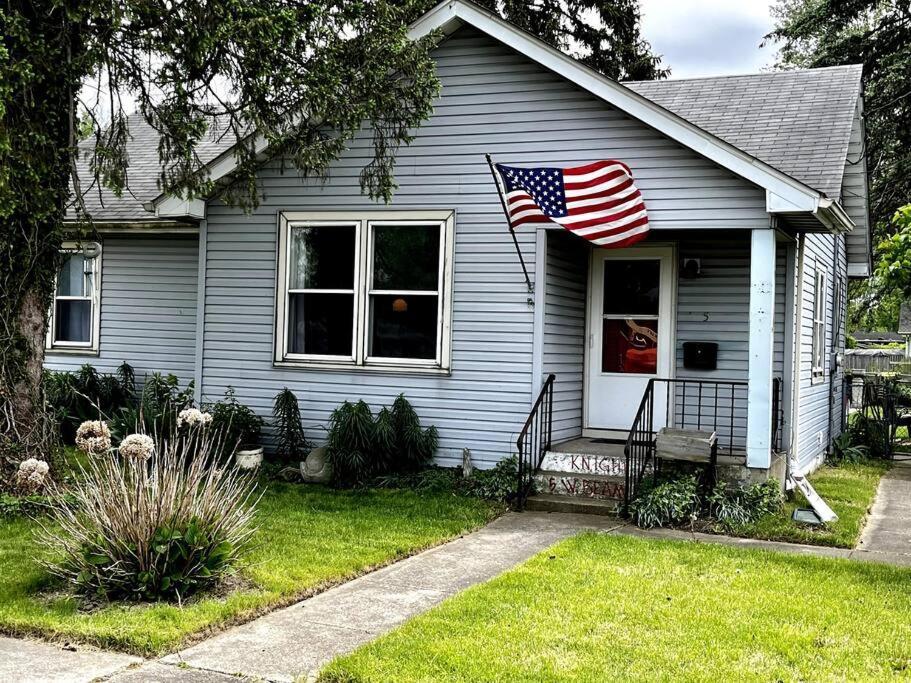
pixel 796 121
pixel 142 174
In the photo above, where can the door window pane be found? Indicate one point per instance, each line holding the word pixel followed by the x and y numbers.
pixel 403 326
pixel 320 324
pixel 631 286
pixel 73 320
pixel 406 257
pixel 629 346
pixel 322 257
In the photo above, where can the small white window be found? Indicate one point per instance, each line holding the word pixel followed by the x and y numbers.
pixel 75 314
pixel 363 289
pixel 819 324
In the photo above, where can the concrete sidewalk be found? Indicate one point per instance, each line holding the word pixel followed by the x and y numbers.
pixel 888 530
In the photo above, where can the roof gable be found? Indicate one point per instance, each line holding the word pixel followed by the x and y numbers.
pixel 785 194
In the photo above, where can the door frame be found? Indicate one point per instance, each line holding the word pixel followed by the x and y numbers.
pixel 660 249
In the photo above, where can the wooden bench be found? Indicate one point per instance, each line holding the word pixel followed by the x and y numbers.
pixel 688 445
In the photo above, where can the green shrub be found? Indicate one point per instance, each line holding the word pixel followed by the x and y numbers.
pixel 414 446
pixel 735 507
pixel 291 445
pixel 669 503
pixel 160 528
pixel 361 447
pixel 497 483
pixel 845 451
pixel 75 397
pixel 871 433
pixel 235 423
pixel 26 506
pixel 350 444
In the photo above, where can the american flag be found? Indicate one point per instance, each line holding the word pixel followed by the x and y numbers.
pixel 597 201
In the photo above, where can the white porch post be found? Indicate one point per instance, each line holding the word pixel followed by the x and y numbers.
pixel 762 312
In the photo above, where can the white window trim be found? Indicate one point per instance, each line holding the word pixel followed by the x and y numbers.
pixel 818 346
pixel 364 222
pixel 78 348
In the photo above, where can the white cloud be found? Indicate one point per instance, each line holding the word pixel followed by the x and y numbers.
pixel 709 37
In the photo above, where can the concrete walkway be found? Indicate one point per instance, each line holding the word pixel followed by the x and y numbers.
pixel 29 661
pixel 888 529
pixel 298 640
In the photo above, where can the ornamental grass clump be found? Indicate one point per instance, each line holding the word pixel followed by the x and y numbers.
pixel 152 522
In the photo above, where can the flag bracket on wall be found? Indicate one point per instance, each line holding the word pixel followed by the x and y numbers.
pixel 598 202
pixel 515 240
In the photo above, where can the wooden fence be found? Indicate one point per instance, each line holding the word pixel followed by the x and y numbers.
pixel 874 360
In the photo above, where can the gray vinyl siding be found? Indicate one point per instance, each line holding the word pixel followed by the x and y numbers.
pixel 564 328
pixel 715 307
pixel 492 101
pixel 148 308
pixel 813 428
pixel 854 195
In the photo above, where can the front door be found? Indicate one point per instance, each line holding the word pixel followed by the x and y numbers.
pixel 631 298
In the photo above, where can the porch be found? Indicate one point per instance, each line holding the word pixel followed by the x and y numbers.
pixel 686 330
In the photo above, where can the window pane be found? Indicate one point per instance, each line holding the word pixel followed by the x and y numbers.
pixel 630 346
pixel 631 287
pixel 322 257
pixel 403 326
pixel 73 280
pixel 73 320
pixel 320 324
pixel 406 257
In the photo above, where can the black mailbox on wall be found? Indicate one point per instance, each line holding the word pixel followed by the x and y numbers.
pixel 700 355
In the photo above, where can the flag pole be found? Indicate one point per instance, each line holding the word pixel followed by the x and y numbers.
pixel 515 240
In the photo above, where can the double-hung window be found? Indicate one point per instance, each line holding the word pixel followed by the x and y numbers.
pixel 819 325
pixel 365 289
pixel 74 316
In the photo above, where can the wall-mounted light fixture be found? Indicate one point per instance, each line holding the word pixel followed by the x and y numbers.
pixel 691 268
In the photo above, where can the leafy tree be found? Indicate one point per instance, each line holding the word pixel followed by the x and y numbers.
pixel 305 75
pixel 891 282
pixel 602 34
pixel 877 34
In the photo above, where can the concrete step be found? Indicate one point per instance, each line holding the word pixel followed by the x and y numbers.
pixel 567 484
pixel 544 502
pixel 584 464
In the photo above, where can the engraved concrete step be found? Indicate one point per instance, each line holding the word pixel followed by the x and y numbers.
pixel 545 502
pixel 584 464
pixel 598 486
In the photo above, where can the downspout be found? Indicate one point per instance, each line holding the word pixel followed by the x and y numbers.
pixel 796 340
pixel 200 307
pixel 833 369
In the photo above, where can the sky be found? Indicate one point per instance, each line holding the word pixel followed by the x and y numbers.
pixel 709 37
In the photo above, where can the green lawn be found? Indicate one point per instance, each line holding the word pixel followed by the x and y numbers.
pixel 849 490
pixel 309 537
pixel 600 608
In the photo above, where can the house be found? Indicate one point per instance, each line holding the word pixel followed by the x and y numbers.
pixel 756 192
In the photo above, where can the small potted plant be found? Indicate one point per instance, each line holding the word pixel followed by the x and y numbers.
pixel 239 429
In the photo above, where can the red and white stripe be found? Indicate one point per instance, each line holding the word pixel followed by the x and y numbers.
pixel 603 205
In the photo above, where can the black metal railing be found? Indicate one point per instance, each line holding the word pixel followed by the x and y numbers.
pixel 534 441
pixel 716 405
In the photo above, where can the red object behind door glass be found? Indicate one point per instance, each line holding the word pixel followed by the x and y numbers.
pixel 629 346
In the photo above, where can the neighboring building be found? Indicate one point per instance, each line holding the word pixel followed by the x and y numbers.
pixel 904 327
pixel 872 340
pixel 756 192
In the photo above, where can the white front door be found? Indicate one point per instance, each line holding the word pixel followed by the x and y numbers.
pixel 631 304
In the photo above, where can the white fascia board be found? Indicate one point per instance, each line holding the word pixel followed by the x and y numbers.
pixel 858 270
pixel 447 15
pixel 171 206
